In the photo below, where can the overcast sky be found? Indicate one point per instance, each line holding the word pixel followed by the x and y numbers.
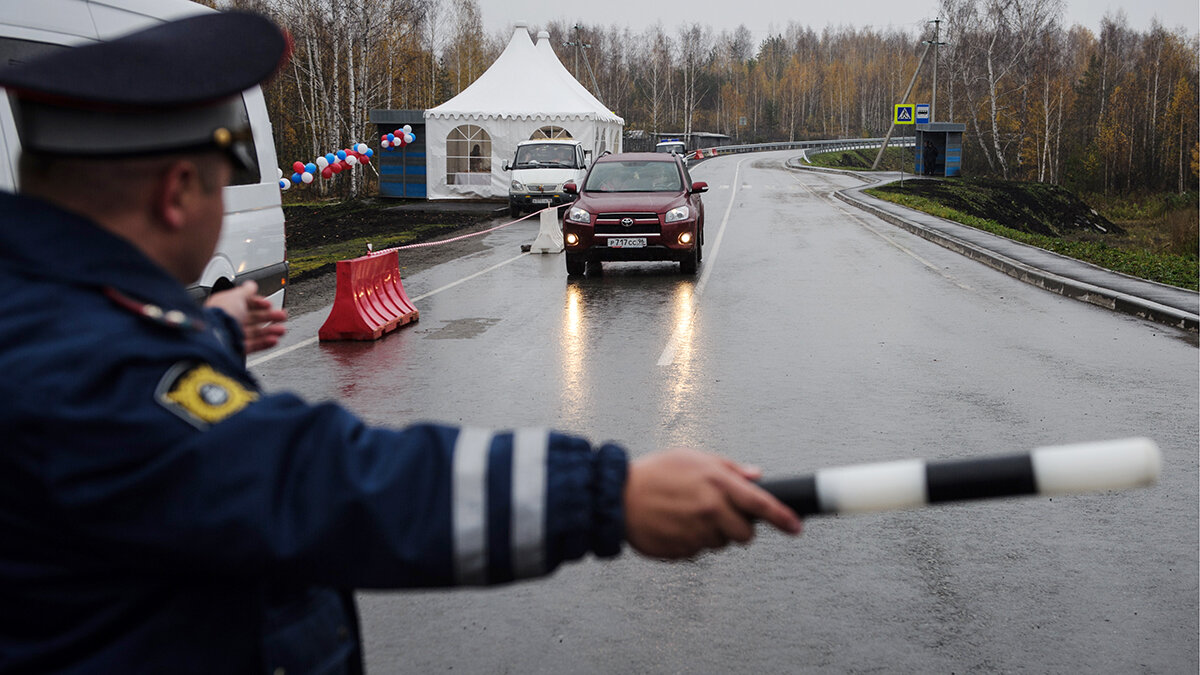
pixel 764 17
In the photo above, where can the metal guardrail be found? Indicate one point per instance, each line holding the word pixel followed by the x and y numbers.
pixel 835 145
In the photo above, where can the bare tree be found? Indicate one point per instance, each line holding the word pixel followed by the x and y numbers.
pixel 695 53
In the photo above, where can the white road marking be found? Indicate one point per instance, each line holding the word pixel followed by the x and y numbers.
pixel 668 353
pixel 858 219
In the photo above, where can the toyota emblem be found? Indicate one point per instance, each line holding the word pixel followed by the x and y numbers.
pixel 627 222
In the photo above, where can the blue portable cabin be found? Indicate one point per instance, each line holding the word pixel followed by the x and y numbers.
pixel 402 171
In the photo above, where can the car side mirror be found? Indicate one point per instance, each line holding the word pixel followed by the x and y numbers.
pixel 699 186
pixel 571 188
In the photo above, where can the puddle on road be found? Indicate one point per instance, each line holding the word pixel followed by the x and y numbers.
pixel 461 329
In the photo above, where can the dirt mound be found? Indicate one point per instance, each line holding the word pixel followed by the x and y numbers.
pixel 311 225
pixel 1036 208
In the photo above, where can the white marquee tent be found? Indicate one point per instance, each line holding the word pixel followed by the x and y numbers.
pixel 526 93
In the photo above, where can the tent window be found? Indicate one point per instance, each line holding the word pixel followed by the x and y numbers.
pixel 550 132
pixel 468 156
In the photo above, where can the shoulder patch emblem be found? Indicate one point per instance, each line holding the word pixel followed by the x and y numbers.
pixel 201 395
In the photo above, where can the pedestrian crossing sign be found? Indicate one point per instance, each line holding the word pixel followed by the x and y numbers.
pixel 904 113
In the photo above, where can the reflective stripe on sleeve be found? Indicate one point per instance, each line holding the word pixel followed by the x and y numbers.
pixel 529 501
pixel 468 497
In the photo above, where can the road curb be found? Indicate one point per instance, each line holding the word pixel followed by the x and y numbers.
pixel 1065 286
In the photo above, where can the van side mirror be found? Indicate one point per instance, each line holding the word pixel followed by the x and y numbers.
pixel 505 166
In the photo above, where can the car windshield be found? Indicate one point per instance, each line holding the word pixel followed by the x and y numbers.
pixel 543 155
pixel 676 148
pixel 634 177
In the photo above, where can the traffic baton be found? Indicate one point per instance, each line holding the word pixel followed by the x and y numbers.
pixel 1051 470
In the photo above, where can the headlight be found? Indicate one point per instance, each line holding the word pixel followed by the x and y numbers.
pixel 676 214
pixel 572 239
pixel 517 186
pixel 578 215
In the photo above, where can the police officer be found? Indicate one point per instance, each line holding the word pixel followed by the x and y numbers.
pixel 161 513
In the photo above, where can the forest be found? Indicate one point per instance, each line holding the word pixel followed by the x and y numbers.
pixel 1113 113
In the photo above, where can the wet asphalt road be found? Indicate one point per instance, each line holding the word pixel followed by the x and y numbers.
pixel 815 335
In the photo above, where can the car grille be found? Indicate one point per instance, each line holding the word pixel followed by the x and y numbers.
pixel 642 223
pixel 542 187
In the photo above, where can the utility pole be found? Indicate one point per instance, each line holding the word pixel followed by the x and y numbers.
pixel 903 99
pixel 937 25
pixel 579 45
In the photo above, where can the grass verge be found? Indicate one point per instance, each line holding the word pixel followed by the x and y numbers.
pixel 894 159
pixel 1126 257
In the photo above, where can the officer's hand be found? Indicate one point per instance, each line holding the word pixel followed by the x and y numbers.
pixel 680 502
pixel 261 322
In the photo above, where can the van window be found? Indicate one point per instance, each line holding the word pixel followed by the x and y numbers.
pixel 248 176
pixel 555 155
pixel 15 52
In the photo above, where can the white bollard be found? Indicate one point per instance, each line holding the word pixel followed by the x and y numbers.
pixel 549 239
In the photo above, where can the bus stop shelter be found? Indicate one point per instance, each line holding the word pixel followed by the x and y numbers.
pixel 940 145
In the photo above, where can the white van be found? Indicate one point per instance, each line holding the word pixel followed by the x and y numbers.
pixel 252 244
pixel 673 146
pixel 539 171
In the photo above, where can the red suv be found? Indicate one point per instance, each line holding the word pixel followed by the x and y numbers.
pixel 635 206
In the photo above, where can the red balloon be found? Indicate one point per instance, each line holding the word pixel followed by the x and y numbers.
pixel 327 172
pixel 299 167
pixel 363 159
pixel 336 167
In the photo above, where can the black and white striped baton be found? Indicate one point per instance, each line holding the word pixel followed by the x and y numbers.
pixel 1051 470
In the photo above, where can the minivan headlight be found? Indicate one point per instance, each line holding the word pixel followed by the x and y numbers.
pixel 578 215
pixel 517 186
pixel 676 214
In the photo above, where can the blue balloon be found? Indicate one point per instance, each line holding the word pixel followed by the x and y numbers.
pixel 296 178
pixel 310 167
pixel 369 152
pixel 330 158
pixel 391 138
pixel 341 154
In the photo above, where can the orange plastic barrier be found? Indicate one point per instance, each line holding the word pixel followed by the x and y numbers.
pixel 370 300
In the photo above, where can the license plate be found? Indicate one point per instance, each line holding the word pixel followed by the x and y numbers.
pixel 627 242
pixel 541 201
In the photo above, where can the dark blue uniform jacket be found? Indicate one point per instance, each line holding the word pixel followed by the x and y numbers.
pixel 159 513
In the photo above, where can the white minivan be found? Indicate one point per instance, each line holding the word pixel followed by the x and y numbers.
pixel 252 244
pixel 540 168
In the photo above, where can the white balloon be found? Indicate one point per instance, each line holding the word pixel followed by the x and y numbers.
pixel 385 144
pixel 407 129
pixel 306 177
pixel 284 183
pixel 351 160
pixel 278 172
pixel 361 148
pixel 322 162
